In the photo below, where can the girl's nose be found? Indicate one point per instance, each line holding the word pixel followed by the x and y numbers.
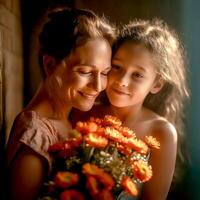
pixel 123 80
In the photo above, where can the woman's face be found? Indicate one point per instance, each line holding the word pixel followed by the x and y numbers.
pixel 132 76
pixel 82 75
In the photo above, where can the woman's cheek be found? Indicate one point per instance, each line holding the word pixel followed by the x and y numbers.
pixel 104 83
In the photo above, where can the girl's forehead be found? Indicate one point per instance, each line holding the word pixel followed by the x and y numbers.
pixel 130 50
pixel 131 54
pixel 135 48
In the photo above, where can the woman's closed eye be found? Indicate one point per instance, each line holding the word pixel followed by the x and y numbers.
pixel 105 73
pixel 85 72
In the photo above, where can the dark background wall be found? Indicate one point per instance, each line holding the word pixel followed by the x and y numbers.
pixel 190 16
pixel 183 15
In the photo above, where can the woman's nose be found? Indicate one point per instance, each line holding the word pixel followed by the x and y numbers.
pixel 97 83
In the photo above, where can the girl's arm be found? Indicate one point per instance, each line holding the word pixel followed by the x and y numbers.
pixel 27 172
pixel 162 162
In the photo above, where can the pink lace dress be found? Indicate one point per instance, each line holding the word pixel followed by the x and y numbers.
pixel 34 131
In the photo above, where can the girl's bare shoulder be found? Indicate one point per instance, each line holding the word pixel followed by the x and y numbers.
pixel 163 130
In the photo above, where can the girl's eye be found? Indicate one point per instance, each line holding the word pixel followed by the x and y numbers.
pixel 115 67
pixel 138 75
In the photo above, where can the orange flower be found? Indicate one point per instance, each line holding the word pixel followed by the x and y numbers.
pixel 105 195
pixel 97 120
pixel 92 185
pixel 71 195
pixel 105 178
pixel 101 131
pixel 152 142
pixel 111 121
pixel 86 127
pixel 91 169
pixel 113 134
pixel 65 179
pixel 129 186
pixel 141 170
pixel 94 140
pixel 124 150
pixel 136 144
pixel 126 132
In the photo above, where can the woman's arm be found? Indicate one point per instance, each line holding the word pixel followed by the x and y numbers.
pixel 27 172
pixel 162 162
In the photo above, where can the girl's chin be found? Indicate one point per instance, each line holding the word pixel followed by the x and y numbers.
pixel 118 104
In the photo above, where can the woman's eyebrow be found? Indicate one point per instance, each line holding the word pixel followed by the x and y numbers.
pixel 90 66
pixel 108 68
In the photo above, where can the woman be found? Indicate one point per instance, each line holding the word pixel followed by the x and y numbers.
pixel 75 57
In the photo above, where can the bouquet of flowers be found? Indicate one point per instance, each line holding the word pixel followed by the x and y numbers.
pixel 99 159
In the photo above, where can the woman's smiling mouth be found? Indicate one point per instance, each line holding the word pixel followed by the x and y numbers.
pixel 88 95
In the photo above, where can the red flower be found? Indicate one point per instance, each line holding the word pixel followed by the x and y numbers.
pixel 71 195
pixel 56 147
pixel 105 195
pixel 92 185
pixel 75 138
pixel 65 179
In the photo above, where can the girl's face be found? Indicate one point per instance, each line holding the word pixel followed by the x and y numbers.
pixel 132 76
pixel 79 79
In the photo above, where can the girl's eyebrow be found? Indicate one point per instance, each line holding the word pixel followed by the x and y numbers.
pixel 141 68
pixel 117 59
pixel 137 65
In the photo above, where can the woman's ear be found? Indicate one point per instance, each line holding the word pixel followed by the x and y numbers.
pixel 157 86
pixel 49 63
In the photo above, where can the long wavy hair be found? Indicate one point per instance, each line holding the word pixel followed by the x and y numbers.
pixel 169 58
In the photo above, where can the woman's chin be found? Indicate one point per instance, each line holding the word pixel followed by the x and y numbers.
pixel 84 108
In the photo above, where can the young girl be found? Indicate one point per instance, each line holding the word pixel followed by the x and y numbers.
pixel 147 90
pixel 75 57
